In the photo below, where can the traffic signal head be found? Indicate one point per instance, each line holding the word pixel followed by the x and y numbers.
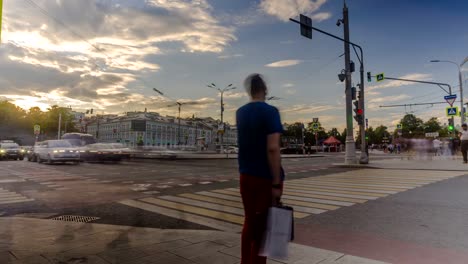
pixel 369 77
pixel 353 93
pixel 306 26
pixel 358 113
pixel 451 126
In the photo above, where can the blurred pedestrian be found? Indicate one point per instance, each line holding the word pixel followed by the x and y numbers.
pixel 261 179
pixel 436 143
pixel 464 142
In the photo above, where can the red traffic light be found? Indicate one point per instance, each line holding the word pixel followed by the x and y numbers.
pixel 360 112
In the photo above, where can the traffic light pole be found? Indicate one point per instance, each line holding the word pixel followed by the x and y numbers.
pixel 350 156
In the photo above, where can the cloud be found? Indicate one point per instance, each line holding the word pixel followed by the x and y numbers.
pixel 394 83
pixel 235 95
pixel 291 91
pixel 319 17
pixel 96 59
pixel 307 109
pixel 283 63
pixel 287 85
pixel 230 56
pixel 285 9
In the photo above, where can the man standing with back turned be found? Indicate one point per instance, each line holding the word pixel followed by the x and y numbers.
pixel 464 142
pixel 261 179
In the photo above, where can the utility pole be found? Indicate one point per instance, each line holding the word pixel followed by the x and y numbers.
pixel 350 155
pixel 59 125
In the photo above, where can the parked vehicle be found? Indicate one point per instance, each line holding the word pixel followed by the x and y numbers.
pixel 100 152
pixel 10 150
pixel 56 151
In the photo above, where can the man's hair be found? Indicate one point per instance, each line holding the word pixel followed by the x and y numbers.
pixel 254 84
pixel 464 125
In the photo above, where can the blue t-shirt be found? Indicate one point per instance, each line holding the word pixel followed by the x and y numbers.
pixel 255 121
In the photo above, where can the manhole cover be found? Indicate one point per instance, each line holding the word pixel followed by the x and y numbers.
pixel 75 218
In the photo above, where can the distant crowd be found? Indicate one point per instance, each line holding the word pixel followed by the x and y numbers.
pixel 421 146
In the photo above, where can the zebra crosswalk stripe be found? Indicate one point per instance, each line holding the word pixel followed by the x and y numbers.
pixel 222 208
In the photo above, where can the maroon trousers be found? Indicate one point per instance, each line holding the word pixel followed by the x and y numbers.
pixel 257 198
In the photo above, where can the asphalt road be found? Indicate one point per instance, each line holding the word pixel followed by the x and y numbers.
pixel 94 189
pixel 393 215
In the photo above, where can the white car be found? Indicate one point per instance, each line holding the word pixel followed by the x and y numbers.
pixel 56 151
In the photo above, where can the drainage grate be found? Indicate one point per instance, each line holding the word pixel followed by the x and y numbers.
pixel 75 218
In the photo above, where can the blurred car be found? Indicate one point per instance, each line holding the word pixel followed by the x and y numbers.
pixel 100 152
pixel 79 139
pixel 29 153
pixel 292 149
pixel 231 150
pixel 56 151
pixel 11 150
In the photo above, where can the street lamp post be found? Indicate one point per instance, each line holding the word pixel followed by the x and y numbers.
pixel 460 79
pixel 221 91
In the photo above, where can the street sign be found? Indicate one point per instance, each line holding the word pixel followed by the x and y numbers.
pixel 451 111
pixel 315 126
pixel 37 129
pixel 399 126
pixel 380 77
pixel 432 134
pixel 450 99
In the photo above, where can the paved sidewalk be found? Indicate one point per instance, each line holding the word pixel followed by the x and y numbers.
pixel 37 241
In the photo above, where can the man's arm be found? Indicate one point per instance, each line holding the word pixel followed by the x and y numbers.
pixel 274 156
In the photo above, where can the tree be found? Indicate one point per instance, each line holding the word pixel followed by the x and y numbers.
pixel 432 125
pixel 381 132
pixel 412 126
pixel 334 132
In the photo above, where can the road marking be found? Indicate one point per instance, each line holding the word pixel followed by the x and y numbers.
pixel 328 197
pixel 212 200
pixel 220 225
pixel 351 186
pixel 185 184
pixel 163 186
pixel 151 192
pixel 336 190
pixel 12 180
pixel 235 219
pixel 213 206
pixel 313 195
pixel 205 182
pixel 310 205
pixel 334 194
pixel 8 197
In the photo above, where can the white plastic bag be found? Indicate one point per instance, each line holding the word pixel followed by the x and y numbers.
pixel 278 233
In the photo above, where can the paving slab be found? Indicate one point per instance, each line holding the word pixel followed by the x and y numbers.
pixel 68 242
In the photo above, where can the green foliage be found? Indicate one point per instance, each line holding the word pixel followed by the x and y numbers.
pixel 17 118
pixel 432 125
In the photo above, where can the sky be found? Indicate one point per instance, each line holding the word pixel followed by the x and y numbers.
pixel 108 55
